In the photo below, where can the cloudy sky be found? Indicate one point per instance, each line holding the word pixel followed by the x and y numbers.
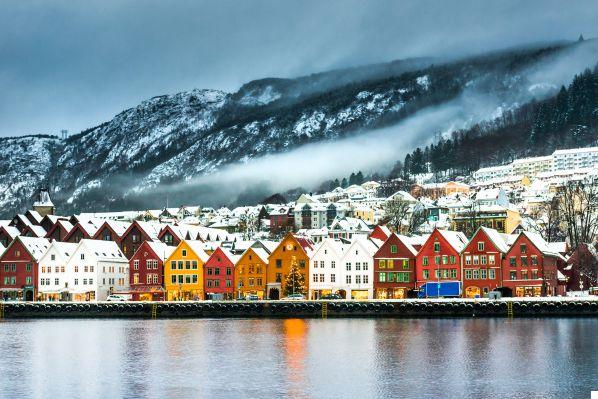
pixel 72 65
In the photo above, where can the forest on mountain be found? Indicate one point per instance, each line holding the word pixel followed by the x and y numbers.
pixel 568 119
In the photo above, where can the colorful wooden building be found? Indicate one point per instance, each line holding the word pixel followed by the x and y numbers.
pixel 183 271
pixel 394 268
pixel 19 268
pixel 531 268
pixel 136 234
pixel 292 250
pixel 482 260
pixel 146 271
pixel 250 273
pixel 219 274
pixel 439 257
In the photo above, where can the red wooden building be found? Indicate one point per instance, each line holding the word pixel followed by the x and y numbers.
pixel 381 233
pixel 394 268
pixel 7 234
pixel 146 271
pixel 282 221
pixel 136 234
pixel 111 230
pixel 581 268
pixel 18 268
pixel 59 231
pixel 439 257
pixel 218 274
pixel 530 268
pixel 85 229
pixel 482 260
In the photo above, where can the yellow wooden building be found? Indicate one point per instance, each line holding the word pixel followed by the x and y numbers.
pixel 251 273
pixel 292 249
pixel 183 272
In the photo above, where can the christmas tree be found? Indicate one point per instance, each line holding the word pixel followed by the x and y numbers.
pixel 294 282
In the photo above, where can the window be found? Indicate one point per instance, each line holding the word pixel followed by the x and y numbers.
pixel 259 281
pixel 453 259
pixel 181 278
pixel 365 279
pixel 358 279
pixel 402 277
pixel 82 256
pixel 187 279
pixel 480 246
pixel 436 273
pixel 302 263
pixel 180 264
pixel 513 261
pixel 524 274
pixel 90 269
pixel 357 265
pixel 188 264
pixel 184 252
pixel 444 259
pixel 28 267
pixel 76 281
pixel 483 259
pixel 53 257
pixel 250 281
pixel 209 283
pixel 315 264
pixel 437 247
pixel 491 259
pixel 393 249
pixel 148 279
pixel 405 264
pixel 155 280
pixel 210 271
pixel 524 261
pixel 468 274
pixel 315 278
pixel 229 271
pixel 437 260
pixel 476 260
pixel 381 263
pixel 333 265
pixel 348 266
pixel 475 274
pixel 194 264
pixel 483 273
pixel 382 277
pixel 513 275
pixel 534 274
pixel 173 264
pixel 279 263
pixel 136 278
pixel 491 274
pixel 426 274
pixel 321 277
pixel 229 283
pixel 534 259
pixel 333 278
pixel 425 261
pixel 278 277
pixel 217 271
pixel 523 248
pixel 348 279
pixel 322 264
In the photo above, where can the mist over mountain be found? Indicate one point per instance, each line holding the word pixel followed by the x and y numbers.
pixel 210 147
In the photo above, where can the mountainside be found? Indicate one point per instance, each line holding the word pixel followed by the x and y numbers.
pixel 173 138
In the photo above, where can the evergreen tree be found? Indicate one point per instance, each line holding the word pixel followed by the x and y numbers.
pixel 294 282
pixel 359 178
pixel 352 179
pixel 344 183
pixel 336 183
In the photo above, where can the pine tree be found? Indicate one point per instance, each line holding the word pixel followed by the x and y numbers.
pixel 359 178
pixel 294 282
pixel 344 183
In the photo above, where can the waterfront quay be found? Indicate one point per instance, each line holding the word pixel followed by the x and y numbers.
pixel 414 308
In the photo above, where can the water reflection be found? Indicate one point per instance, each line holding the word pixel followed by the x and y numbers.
pixel 295 358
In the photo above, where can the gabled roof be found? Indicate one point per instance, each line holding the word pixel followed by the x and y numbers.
pixel 64 224
pixel 37 231
pixel 90 227
pixel 405 241
pixel 261 253
pixel 64 249
pixel 225 252
pixel 539 242
pixel 456 239
pixel 11 231
pixel 499 240
pixel 103 250
pixel 160 249
pixel 36 246
pixel 119 228
pixel 336 246
pixel 35 215
pixel 198 248
pixel 368 245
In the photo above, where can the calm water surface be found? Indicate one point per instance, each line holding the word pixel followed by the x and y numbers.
pixel 344 358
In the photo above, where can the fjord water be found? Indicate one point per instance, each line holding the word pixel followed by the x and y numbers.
pixel 334 358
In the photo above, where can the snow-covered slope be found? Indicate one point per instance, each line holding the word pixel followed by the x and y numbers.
pixel 176 137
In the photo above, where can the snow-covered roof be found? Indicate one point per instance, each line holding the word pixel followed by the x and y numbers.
pixel 103 250
pixel 499 240
pixel 36 246
pixel 64 249
pixel 12 231
pixel 43 199
pixel 161 249
pixel 198 248
pixel 261 253
pixel 407 243
pixel 118 227
pixel 456 239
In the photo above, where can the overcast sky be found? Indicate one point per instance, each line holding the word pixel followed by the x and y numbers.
pixel 74 64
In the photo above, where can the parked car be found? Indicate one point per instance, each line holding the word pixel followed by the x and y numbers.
pixel 294 297
pixel 116 298
pixel 329 297
pixel 252 298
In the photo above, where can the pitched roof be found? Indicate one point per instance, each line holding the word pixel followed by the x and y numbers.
pixel 12 231
pixel 261 253
pixel 104 250
pixel 160 249
pixel 36 246
pixel 456 239
pixel 117 226
pixel 198 248
pixel 63 249
pixel 499 240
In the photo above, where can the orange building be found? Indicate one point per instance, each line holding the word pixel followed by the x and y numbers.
pixel 251 273
pixel 183 271
pixel 291 249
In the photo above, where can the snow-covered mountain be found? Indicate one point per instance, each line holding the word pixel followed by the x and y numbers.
pixel 174 138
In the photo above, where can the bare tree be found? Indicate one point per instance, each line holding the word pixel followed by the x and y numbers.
pixel 578 206
pixel 397 211
pixel 548 220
